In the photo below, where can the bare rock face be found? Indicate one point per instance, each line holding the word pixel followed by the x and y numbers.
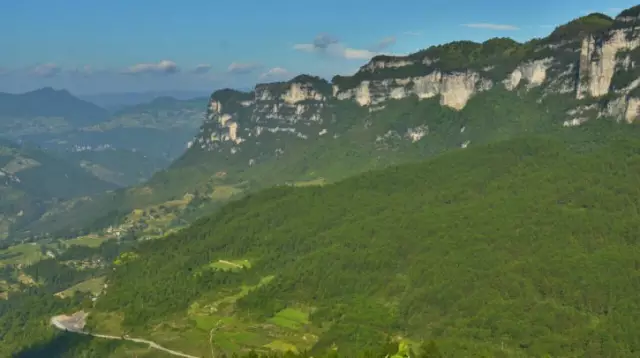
pixel 234 117
pixel 624 108
pixel 534 73
pixel 387 62
pixel 598 60
pixel 455 89
pixel 599 67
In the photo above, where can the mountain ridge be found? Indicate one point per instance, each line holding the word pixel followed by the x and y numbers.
pixel 561 63
pixel 48 102
pixel 403 108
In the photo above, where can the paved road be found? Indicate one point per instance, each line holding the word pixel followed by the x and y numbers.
pixel 61 324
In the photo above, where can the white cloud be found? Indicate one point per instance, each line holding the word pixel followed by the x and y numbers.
pixel 242 68
pixel 84 71
pixel 614 10
pixel 384 43
pixel 162 67
pixel 304 47
pixel 412 33
pixel 202 68
pixel 492 26
pixel 328 45
pixel 276 72
pixel 46 70
pixel 357 54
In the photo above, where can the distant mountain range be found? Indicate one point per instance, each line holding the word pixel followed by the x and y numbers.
pixel 74 144
pixel 400 109
pixel 156 124
pixel 50 103
pixel 31 180
pixel 115 101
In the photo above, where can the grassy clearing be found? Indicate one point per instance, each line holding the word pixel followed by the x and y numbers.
pixel 106 323
pixel 290 318
pixel 245 291
pixel 28 254
pixel 318 181
pixel 25 254
pixel 19 164
pixel 205 328
pixel 230 264
pixel 90 241
pixel 281 346
pixel 25 279
pixel 93 285
pixel 6 288
pixel 224 192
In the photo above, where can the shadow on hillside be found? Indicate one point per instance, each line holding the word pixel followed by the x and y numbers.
pixel 68 345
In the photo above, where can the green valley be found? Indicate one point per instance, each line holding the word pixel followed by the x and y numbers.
pixel 523 248
pixel 469 199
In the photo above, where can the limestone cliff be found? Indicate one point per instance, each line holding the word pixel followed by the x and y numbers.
pixel 599 60
pixel 591 60
pixel 293 108
pixel 454 89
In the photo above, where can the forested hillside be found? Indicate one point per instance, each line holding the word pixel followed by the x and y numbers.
pixel 520 248
pixel 393 110
pixel 31 180
pixel 467 200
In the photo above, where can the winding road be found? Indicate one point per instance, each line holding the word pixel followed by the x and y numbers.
pixel 62 323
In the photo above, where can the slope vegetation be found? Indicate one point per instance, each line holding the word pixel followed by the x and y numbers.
pixel 31 179
pixel 393 110
pixel 525 247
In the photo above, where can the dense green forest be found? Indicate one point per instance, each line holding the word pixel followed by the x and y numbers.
pixel 520 248
pixel 525 247
pixel 71 345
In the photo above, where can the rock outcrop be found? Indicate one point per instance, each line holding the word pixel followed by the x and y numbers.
pixel 582 63
pixel 533 72
pixel 454 88
pixel 599 59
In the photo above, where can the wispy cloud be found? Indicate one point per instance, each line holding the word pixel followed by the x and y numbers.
pixel 384 43
pixel 242 68
pixel 84 71
pixel 492 26
pixel 412 33
pixel 328 45
pixel 276 72
pixel 201 68
pixel 46 70
pixel 357 54
pixel 614 10
pixel 163 67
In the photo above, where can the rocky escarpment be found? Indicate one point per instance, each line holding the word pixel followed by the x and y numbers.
pixel 600 58
pixel 454 89
pixel 294 108
pixel 592 61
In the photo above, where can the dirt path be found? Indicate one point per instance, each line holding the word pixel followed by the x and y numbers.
pixel 62 325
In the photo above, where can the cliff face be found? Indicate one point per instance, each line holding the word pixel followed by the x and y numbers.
pixel 454 89
pixel 591 61
pixel 601 56
pixel 294 109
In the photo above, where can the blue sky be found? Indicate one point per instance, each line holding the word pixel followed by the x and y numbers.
pixel 139 45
